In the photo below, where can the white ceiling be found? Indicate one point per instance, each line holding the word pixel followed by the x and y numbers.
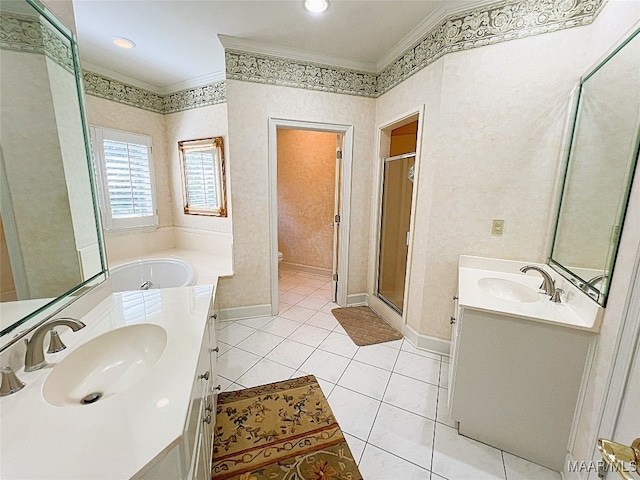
pixel 177 43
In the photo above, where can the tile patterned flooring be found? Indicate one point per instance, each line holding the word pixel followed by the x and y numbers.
pixel 389 399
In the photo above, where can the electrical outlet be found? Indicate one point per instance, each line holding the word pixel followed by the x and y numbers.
pixel 497 227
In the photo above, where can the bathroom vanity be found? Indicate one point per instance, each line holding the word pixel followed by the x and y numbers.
pixel 151 355
pixel 518 360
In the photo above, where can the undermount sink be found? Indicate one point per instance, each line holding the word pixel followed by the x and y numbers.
pixel 508 290
pixel 105 365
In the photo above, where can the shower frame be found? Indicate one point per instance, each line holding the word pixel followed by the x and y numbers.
pixel 383 143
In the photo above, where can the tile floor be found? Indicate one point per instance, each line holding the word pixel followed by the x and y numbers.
pixel 389 399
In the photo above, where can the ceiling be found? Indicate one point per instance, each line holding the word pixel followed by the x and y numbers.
pixel 177 44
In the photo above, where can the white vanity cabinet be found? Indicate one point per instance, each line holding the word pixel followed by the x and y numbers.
pixel 190 457
pixel 514 382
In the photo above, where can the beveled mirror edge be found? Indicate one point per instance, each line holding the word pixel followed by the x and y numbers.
pixel 590 291
pixel 55 306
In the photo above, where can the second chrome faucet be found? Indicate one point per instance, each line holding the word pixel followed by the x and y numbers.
pixel 548 284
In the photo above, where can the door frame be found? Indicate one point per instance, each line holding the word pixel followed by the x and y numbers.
pixel 345 199
pixel 382 150
pixel 627 345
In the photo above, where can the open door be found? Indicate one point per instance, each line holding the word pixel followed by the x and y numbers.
pixel 621 453
pixel 618 446
pixel 336 219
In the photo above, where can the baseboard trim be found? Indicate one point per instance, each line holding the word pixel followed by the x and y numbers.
pixel 237 313
pixel 306 269
pixel 425 342
pixel 357 299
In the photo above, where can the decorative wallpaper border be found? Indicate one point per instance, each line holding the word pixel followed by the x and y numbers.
pixel 34 35
pixel 256 68
pixel 487 25
pixel 203 96
pixel 114 90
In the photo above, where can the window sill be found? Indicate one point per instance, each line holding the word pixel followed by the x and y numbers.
pixel 130 231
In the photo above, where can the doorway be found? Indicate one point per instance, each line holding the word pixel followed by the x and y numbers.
pixel 395 215
pixel 308 201
pixel 309 169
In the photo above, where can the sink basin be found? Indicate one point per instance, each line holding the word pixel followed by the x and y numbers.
pixel 508 290
pixel 105 365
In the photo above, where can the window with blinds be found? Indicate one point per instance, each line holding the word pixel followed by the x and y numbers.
pixel 202 166
pixel 125 176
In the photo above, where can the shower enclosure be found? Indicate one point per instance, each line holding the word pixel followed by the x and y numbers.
pixel 397 191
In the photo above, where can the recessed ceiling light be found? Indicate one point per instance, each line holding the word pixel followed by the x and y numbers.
pixel 316 6
pixel 123 42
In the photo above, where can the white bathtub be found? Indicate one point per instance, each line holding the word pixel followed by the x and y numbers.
pixel 152 273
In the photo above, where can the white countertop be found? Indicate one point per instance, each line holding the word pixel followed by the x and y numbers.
pixel 117 436
pixel 576 310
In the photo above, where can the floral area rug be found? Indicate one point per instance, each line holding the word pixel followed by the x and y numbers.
pixel 280 431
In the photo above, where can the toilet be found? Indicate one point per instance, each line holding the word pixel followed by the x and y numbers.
pixel 279 257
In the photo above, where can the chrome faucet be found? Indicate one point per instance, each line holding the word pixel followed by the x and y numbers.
pixel 548 284
pixel 592 283
pixel 34 359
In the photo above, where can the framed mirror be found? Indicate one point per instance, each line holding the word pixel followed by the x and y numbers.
pixel 600 168
pixel 50 237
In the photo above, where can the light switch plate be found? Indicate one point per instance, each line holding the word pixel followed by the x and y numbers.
pixel 497 227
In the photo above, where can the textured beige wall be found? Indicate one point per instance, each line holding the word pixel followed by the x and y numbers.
pixel 306 185
pixel 250 105
pixel 192 124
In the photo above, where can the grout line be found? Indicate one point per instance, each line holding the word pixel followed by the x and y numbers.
pixel 504 465
pixel 435 425
pixel 383 394
pixel 397 456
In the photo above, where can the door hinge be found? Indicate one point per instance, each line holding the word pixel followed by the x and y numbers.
pixel 339 154
pixel 336 219
pixel 335 277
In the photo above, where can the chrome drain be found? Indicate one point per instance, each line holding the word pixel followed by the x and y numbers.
pixel 91 398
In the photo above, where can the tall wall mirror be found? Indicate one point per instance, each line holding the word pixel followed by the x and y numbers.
pixel 50 237
pixel 600 169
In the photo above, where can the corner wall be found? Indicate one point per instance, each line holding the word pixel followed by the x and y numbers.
pixel 207 234
pixel 250 105
pixel 211 235
pixel 492 141
pixel 108 114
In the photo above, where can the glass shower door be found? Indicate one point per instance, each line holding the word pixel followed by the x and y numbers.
pixel 397 190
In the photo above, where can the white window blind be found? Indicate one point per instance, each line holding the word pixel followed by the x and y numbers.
pixel 202 163
pixel 201 177
pixel 125 169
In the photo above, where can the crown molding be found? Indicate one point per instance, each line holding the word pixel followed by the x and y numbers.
pixel 297 55
pixel 416 35
pixel 214 77
pixel 120 77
